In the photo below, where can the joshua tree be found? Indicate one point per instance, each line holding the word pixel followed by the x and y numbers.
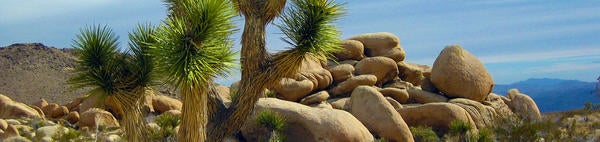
pixel 308 29
pixel 119 78
pixel 192 47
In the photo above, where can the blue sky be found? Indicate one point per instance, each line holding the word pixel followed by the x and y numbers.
pixel 515 39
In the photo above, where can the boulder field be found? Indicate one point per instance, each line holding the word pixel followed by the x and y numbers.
pixel 367 92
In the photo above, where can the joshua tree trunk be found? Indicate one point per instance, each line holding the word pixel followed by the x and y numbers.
pixel 129 103
pixel 193 113
pixel 254 64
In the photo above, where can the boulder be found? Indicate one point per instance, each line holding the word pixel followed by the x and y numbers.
pixel 497 102
pixel 385 69
pixel 381 44
pixel 163 103
pixel 340 103
pixel 483 116
pixel 394 103
pixel 351 49
pixel 315 98
pixel 48 132
pixel 3 124
pixel 398 83
pixel 54 110
pixel 349 85
pixel 400 95
pixel 423 97
pixel 91 101
pixel 378 115
pixel 13 109
pixel 427 85
pixel 410 73
pixel 72 117
pixel 305 124
pixel 95 117
pixel 321 78
pixel 147 106
pixel 458 73
pixel 74 104
pixel 224 93
pixel 41 103
pixel 522 105
pixel 10 131
pixel 438 116
pixel 293 90
pixel 341 72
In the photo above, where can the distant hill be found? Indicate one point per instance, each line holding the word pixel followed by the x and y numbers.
pixel 29 71
pixel 554 94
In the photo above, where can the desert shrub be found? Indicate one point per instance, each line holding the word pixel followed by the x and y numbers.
pixel 70 135
pixel 271 94
pixel 167 123
pixel 274 123
pixel 424 134
pixel 459 131
pixel 484 135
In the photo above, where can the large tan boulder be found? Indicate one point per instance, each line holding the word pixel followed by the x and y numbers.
pixel 351 50
pixel 497 102
pixel 54 110
pixel 72 117
pixel 91 101
pixel 423 97
pixel 340 103
pixel 400 95
pixel 94 117
pixel 410 73
pixel 522 105
pixel 293 90
pixel 315 98
pixel 41 103
pixel 374 111
pixel 438 116
pixel 483 116
pixel 3 124
pixel 74 104
pixel 307 124
pixel 341 72
pixel 458 73
pixel 10 131
pixel 349 85
pixel 224 93
pixel 385 69
pixel 162 103
pixel 13 109
pixel 381 44
pixel 320 77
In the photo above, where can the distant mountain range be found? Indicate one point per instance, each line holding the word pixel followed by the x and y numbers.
pixel 554 94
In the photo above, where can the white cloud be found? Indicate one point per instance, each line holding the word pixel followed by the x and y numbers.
pixel 563 67
pixel 543 55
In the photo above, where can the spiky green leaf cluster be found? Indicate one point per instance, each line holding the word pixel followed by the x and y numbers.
pixel 193 47
pixel 98 65
pixel 308 27
pixel 271 119
pixel 141 64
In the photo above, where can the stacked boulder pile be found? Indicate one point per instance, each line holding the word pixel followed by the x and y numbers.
pixel 43 121
pixel 370 92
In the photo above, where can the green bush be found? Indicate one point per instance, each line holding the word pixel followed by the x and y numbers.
pixel 167 123
pixel 274 123
pixel 459 131
pixel 424 134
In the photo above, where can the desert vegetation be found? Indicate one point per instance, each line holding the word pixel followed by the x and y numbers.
pixel 322 88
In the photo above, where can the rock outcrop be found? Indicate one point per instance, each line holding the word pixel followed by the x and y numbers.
pixel 374 111
pixel 381 44
pixel 309 124
pixel 385 69
pixel 13 109
pixel 94 117
pixel 458 73
pixel 523 105
pixel 438 116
